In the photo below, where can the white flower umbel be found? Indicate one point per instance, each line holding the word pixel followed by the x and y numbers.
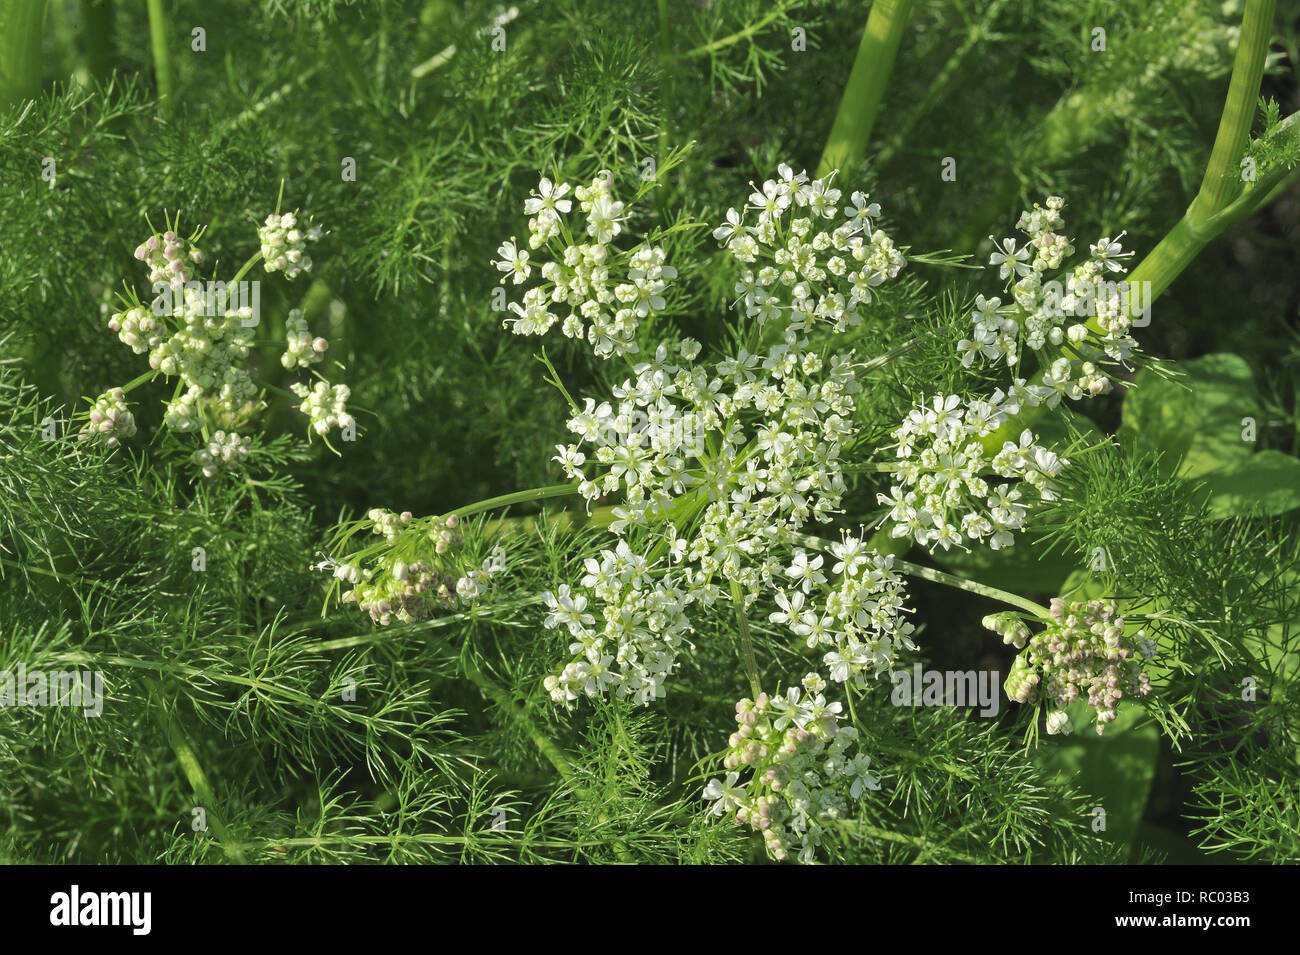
pixel 595 290
pixel 803 770
pixel 284 243
pixel 325 405
pixel 718 465
pixel 1050 311
pixel 633 648
pixel 945 488
pixel 223 451
pixel 858 621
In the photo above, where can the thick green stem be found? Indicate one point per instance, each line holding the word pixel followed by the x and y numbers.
pixel 865 89
pixel 1222 184
pixel 162 55
pixel 742 621
pixel 22 24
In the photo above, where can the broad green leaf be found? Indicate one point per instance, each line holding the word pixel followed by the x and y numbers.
pixel 1116 768
pixel 1197 420
pixel 1267 482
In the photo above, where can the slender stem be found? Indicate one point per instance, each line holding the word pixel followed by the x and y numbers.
pixel 243 270
pixel 751 664
pixel 198 780
pixel 971 586
pixel 162 56
pixel 140 379
pixel 778 11
pixel 517 497
pixel 865 89
pixel 948 580
pixel 519 713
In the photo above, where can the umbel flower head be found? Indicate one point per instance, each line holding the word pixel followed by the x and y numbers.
pixel 946 490
pixel 595 290
pixel 802 770
pixel 405 584
pixel 719 465
pixel 109 420
pixel 1081 654
pixel 859 622
pixel 204 337
pixel 1074 321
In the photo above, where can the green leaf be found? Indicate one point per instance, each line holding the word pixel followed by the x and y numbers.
pixel 1264 483
pixel 1196 420
pixel 1116 768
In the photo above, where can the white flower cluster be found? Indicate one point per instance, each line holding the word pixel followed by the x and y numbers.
pixel 110 419
pixel 860 622
pixel 223 451
pixel 325 405
pixel 284 244
pixel 301 349
pixel 168 258
pixel 594 290
pixel 803 770
pixel 720 464
pixel 799 268
pixel 943 488
pixel 634 648
pixel 1051 314
pixel 755 438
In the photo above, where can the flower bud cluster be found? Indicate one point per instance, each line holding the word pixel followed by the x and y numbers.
pixel 1083 654
pixel 406 590
pixel 802 771
pixel 223 451
pixel 301 348
pixel 284 244
pixel 325 405
pixel 171 259
pixel 110 420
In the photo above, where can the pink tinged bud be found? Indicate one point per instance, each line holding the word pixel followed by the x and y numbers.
pixel 319 345
pixel 140 252
pixel 453 520
pixel 151 243
pixel 169 236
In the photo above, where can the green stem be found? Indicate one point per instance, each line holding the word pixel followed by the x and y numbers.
pixel 751 664
pixel 162 56
pixel 948 580
pixel 865 89
pixel 518 711
pixel 198 780
pixel 1223 173
pixel 1214 209
pixel 243 270
pixel 22 25
pixel 517 497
